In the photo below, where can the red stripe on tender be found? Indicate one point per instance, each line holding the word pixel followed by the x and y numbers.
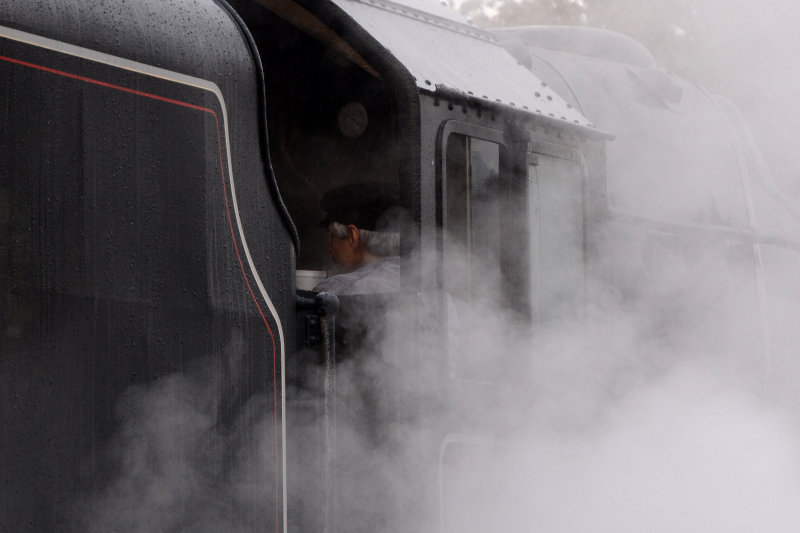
pixel 230 225
pixel 104 84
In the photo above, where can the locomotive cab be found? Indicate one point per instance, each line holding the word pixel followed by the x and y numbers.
pixel 333 113
pixel 467 134
pixel 501 177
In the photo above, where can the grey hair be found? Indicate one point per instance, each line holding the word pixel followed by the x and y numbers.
pixel 380 243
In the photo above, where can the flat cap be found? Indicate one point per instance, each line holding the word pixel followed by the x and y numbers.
pixel 360 204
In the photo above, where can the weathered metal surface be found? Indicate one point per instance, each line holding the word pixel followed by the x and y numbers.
pixel 461 58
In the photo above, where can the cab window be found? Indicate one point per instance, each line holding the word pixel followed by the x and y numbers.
pixel 472 216
pixel 476 275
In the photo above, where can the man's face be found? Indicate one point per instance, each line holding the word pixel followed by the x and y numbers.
pixel 343 251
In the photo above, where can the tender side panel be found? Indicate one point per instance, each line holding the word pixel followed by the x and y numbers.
pixel 122 262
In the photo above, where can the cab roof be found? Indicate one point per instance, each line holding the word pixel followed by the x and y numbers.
pixel 444 53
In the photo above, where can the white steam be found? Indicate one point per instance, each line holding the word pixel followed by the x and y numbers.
pixel 688 453
pixel 178 464
pixel 655 410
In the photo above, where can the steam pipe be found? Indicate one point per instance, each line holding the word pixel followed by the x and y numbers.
pixel 326 305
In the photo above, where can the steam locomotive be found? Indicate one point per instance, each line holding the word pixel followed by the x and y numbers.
pixel 161 166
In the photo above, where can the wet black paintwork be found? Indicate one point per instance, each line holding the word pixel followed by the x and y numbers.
pixel 119 261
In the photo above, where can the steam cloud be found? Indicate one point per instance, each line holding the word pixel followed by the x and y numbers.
pixel 647 417
pixel 174 468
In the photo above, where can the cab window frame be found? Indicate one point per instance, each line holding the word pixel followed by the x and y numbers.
pixel 508 174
